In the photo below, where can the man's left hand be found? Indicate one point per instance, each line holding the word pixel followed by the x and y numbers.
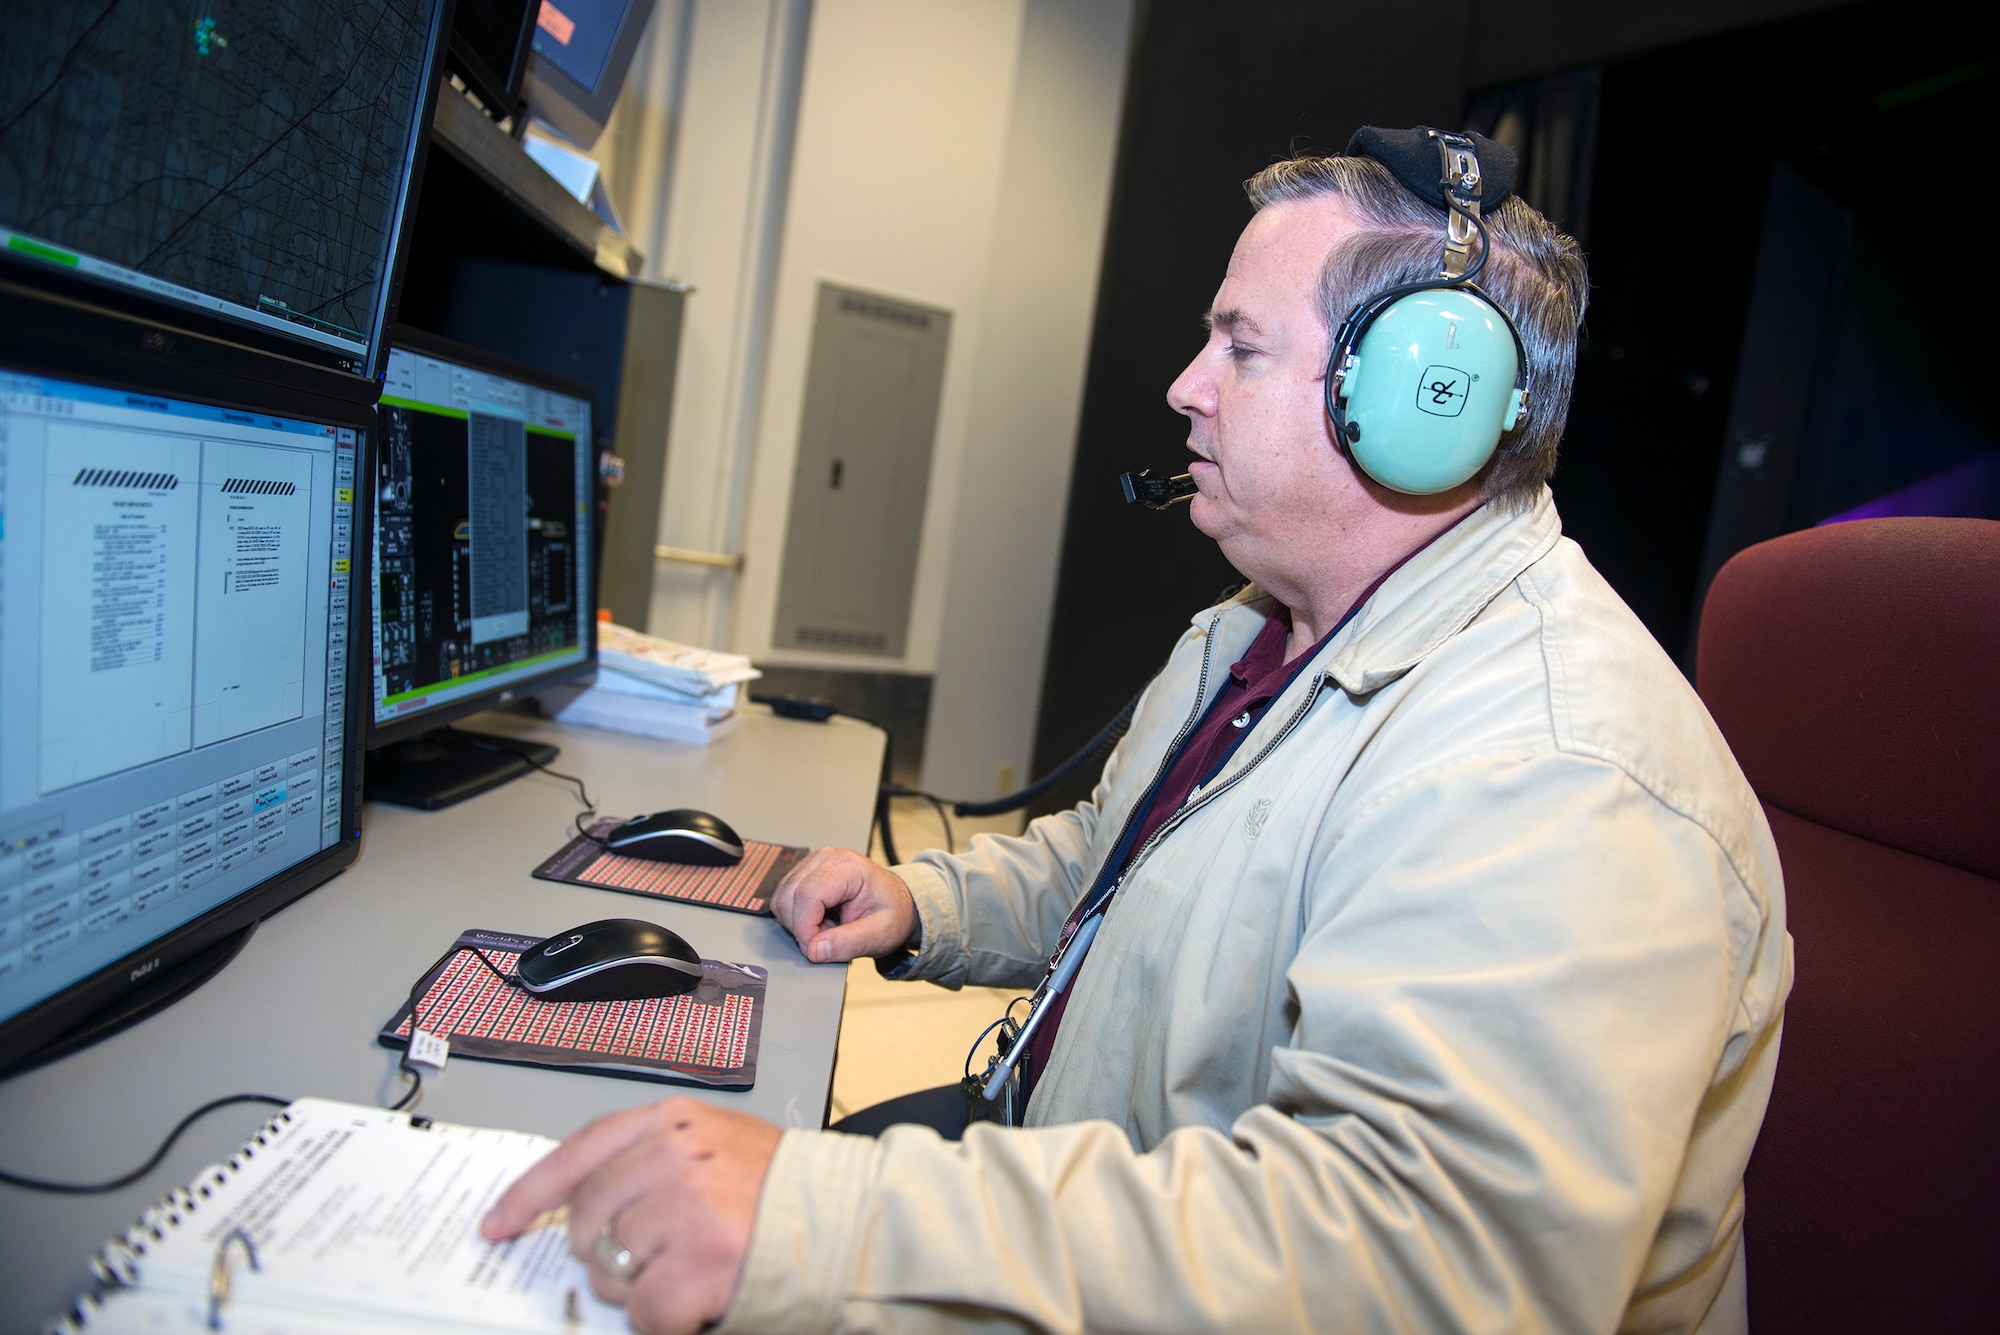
pixel 677 1182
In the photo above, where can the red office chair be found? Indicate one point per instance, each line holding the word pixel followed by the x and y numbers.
pixel 1855 670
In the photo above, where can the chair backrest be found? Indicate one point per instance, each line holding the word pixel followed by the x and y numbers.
pixel 1855 670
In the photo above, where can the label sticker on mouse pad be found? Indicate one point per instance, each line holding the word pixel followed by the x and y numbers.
pixel 706 1037
pixel 746 887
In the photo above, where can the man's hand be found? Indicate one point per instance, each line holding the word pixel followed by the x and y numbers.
pixel 840 906
pixel 678 1182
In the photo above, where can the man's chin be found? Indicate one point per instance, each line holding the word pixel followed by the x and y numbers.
pixel 1203 512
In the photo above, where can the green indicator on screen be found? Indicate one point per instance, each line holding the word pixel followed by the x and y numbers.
pixel 391 401
pixel 40 251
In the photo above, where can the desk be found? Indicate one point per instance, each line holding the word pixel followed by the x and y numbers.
pixel 296 1013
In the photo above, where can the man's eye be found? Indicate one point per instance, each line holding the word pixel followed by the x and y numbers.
pixel 1237 352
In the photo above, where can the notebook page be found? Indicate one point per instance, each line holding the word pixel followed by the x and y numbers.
pixel 354 1210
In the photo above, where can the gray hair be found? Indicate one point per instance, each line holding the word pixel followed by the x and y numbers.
pixel 1534 272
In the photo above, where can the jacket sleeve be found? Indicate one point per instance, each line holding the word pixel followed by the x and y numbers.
pixel 1514 985
pixel 991 915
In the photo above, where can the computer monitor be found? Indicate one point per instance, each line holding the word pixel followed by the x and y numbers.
pixel 491 41
pixel 246 171
pixel 179 691
pixel 483 496
pixel 582 51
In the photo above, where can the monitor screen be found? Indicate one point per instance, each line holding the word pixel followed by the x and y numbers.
pixel 482 534
pixel 174 602
pixel 576 35
pixel 582 50
pixel 249 161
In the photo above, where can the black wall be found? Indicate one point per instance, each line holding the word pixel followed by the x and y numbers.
pixel 1687 136
pixel 1865 103
pixel 1214 93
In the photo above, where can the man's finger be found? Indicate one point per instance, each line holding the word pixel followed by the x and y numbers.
pixel 811 898
pixel 659 1306
pixel 648 1165
pixel 865 937
pixel 550 1182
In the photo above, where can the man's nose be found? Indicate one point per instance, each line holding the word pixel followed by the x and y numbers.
pixel 1192 392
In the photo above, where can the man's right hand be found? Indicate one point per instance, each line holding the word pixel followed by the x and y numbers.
pixel 840 906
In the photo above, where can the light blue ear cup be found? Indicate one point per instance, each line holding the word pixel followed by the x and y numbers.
pixel 1430 383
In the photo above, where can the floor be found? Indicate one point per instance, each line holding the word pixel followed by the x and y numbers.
pixel 899 1037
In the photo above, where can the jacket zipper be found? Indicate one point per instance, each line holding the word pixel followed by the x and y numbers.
pixel 1173 822
pixel 1216 790
pixel 1194 716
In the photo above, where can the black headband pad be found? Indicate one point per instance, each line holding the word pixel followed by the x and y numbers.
pixel 1412 155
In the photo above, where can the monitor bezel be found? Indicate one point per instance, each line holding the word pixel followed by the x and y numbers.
pixel 39 336
pixel 364 372
pixel 580 114
pixel 500 90
pixel 424 720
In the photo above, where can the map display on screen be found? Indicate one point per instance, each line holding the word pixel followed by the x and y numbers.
pixel 243 156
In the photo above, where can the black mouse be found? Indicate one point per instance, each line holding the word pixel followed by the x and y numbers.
pixel 684 835
pixel 618 959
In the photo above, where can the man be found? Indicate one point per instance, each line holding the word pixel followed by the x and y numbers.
pixel 1440 988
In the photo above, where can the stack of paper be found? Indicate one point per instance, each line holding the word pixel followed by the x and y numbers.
pixel 656 688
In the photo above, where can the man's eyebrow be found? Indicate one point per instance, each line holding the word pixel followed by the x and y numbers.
pixel 1230 320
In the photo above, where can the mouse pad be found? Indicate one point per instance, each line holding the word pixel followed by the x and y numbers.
pixel 746 887
pixel 706 1037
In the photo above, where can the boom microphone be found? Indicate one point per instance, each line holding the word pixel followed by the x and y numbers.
pixel 1155 493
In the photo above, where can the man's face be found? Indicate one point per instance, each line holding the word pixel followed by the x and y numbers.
pixel 1268 474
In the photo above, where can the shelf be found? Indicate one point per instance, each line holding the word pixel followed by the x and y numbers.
pixel 463 131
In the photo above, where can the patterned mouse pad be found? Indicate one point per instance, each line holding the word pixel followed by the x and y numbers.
pixel 706 1037
pixel 746 887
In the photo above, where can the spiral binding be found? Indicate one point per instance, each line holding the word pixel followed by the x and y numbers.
pixel 116 1265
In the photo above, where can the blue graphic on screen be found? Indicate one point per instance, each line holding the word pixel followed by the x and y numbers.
pixel 576 36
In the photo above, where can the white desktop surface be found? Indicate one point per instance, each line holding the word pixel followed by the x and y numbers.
pixel 297 1012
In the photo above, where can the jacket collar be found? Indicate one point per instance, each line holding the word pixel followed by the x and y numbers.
pixel 1433 597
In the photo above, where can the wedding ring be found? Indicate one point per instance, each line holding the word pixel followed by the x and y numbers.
pixel 616 1257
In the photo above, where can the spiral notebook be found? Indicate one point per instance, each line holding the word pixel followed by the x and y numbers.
pixel 360 1219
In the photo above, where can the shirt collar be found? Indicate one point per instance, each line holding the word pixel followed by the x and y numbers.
pixel 1424 602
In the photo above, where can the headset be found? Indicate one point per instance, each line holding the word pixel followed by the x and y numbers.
pixel 1422 380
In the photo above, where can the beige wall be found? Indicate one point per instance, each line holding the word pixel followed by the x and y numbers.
pixel 956 154
pixel 902 132
pixel 1027 393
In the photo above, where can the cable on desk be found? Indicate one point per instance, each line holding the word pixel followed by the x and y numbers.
pixel 127 1179
pixel 582 793
pixel 416 990
pixel 1095 749
pixel 819 711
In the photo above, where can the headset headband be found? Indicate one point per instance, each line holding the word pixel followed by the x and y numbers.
pixel 1446 170
pixel 1462 184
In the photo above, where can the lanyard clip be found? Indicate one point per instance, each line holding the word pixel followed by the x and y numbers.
pixel 1001 1068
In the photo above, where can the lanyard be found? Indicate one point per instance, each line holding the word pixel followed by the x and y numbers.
pixel 1084 921
pixel 1088 916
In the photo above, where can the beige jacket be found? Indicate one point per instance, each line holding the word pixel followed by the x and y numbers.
pixel 1451 1004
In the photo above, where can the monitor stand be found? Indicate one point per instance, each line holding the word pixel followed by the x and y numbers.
pixel 159 992
pixel 446 765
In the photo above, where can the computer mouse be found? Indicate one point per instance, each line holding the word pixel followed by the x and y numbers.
pixel 683 835
pixel 617 959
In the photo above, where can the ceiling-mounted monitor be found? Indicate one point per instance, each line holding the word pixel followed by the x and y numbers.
pixel 582 51
pixel 243 171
